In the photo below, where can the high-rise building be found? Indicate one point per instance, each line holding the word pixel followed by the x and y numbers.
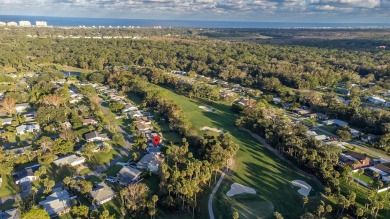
pixel 24 23
pixel 41 23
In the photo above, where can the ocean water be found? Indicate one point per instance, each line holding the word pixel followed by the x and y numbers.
pixel 74 22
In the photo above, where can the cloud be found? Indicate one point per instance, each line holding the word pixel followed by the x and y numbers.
pixel 255 10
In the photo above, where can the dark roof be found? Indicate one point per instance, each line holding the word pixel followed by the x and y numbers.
pixel 356 155
pixel 383 168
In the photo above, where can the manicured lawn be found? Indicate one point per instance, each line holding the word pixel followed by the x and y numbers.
pixel 84 171
pixel 168 135
pixel 112 171
pixel 254 165
pixel 113 207
pixel 101 158
pixel 8 187
pixel 363 177
pixel 93 179
pixel 330 128
pixel 65 216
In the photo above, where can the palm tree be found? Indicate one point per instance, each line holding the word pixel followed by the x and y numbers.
pixel 305 200
pixel 359 212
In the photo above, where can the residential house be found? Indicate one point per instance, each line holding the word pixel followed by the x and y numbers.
pixel 135 114
pixel 369 138
pixel 336 143
pixel 355 133
pixel 143 120
pixel 246 102
pixel 383 170
pixel 128 175
pixel 19 151
pixel 1 180
pixel 129 107
pixel 13 213
pixel 227 94
pixel 321 137
pixel 276 100
pixel 26 175
pixel 301 112
pixel 335 122
pixel 344 91
pixel 101 193
pixel 355 160
pixel 150 136
pixel 151 162
pixel 6 121
pixel 57 203
pixel 90 121
pixel 20 107
pixel 71 160
pixel 144 128
pixel 30 116
pixel 95 136
pixel 27 128
pixel 376 100
pixel 319 116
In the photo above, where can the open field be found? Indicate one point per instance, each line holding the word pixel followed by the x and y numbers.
pixel 98 159
pixel 254 166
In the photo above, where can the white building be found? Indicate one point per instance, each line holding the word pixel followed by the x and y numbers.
pixel 376 100
pixel 41 23
pixel 71 160
pixel 2 23
pixel 22 129
pixel 20 107
pixel 25 23
pixel 12 24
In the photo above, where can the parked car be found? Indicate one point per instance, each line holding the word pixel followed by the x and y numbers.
pixel 111 179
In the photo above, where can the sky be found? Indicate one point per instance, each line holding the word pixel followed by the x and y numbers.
pixel 332 11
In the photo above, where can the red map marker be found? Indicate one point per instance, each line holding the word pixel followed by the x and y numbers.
pixel 156 140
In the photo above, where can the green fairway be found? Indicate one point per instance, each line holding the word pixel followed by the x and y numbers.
pixel 254 165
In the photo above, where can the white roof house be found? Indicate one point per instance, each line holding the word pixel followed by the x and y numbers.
pixel 376 100
pixel 151 162
pixel 95 136
pixel 71 160
pixel 127 175
pixel 25 128
pixel 57 203
pixel 20 107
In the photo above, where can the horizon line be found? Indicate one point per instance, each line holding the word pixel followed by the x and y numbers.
pixel 235 21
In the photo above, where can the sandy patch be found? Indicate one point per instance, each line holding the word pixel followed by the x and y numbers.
pixel 304 187
pixel 206 108
pixel 236 189
pixel 206 128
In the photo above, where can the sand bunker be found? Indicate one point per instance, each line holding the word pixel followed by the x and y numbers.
pixel 236 189
pixel 206 128
pixel 206 108
pixel 305 188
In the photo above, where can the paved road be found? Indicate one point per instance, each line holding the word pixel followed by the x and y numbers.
pixel 211 198
pixel 119 129
pixel 382 155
